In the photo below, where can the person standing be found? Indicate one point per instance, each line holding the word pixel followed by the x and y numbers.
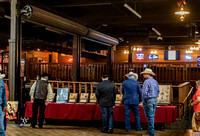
pixel 196 107
pixel 40 93
pixel 3 108
pixel 132 96
pixel 106 95
pixel 150 92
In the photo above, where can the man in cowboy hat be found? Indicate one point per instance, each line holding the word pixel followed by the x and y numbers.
pixel 40 93
pixel 106 94
pixel 150 92
pixel 132 96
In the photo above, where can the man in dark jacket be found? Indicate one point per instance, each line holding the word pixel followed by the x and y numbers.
pixel 40 93
pixel 132 97
pixel 105 94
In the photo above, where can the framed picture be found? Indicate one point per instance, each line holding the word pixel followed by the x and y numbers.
pixel 84 97
pixel 119 98
pixel 62 95
pixel 93 98
pixel 73 97
pixel 12 110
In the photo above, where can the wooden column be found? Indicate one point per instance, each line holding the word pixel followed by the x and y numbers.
pixel 76 52
pixel 130 56
pixel 110 62
pixel 13 43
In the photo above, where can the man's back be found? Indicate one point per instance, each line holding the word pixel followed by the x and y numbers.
pixel 105 93
pixel 41 89
pixel 132 91
pixel 150 88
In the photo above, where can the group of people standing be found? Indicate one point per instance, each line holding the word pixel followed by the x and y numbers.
pixel 133 95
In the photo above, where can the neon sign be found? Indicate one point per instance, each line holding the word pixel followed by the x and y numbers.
pixel 140 56
pixel 153 57
pixel 198 59
pixel 188 57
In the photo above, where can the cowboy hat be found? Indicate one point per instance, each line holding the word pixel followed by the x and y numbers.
pixel 44 74
pixel 132 74
pixel 148 71
pixel 104 75
pixel 2 76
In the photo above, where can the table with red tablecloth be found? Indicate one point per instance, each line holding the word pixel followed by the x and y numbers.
pixel 77 111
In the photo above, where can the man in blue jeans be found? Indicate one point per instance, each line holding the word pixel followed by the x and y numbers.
pixel 132 96
pixel 3 107
pixel 150 92
pixel 106 94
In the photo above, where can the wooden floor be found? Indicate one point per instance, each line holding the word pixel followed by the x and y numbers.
pixel 50 130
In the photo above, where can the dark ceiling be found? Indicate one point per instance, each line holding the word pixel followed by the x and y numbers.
pixel 112 18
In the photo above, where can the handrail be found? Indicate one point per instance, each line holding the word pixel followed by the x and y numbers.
pixel 188 95
pixel 181 85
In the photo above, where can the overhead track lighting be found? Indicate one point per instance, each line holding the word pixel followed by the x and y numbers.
pixel 156 31
pixel 132 10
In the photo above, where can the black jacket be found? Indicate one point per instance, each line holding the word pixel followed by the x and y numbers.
pixel 105 93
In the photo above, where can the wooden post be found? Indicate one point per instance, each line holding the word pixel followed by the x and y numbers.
pixel 14 52
pixel 110 62
pixel 130 56
pixel 76 58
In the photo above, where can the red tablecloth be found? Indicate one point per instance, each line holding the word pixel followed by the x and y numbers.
pixel 164 114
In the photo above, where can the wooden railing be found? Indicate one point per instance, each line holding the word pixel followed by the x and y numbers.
pixel 170 72
pixel 77 87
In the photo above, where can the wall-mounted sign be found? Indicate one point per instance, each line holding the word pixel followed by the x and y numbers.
pixel 140 56
pixel 153 57
pixel 198 58
pixel 188 57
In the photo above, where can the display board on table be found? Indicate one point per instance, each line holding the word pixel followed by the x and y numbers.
pixel 164 96
pixel 119 98
pixel 84 97
pixel 12 109
pixel 73 97
pixel 62 95
pixel 93 98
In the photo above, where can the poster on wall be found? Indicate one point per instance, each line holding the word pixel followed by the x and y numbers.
pixel 62 95
pixel 12 110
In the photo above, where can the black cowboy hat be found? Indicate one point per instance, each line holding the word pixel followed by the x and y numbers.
pixel 104 75
pixel 44 74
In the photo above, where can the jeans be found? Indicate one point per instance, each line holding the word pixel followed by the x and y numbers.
pixel 107 117
pixel 38 103
pixel 136 112
pixel 149 106
pixel 2 115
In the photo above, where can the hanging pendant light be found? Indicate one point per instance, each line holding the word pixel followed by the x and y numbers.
pixel 182 12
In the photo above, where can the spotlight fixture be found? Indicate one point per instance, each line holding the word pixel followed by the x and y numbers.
pixel 132 10
pixel 126 52
pixel 189 51
pixel 182 12
pixel 198 42
pixel 153 52
pixel 137 49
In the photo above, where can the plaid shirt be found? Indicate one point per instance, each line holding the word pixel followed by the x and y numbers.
pixel 150 88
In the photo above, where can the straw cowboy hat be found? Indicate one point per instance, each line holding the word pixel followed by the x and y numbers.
pixel 148 71
pixel 132 74
pixel 2 76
